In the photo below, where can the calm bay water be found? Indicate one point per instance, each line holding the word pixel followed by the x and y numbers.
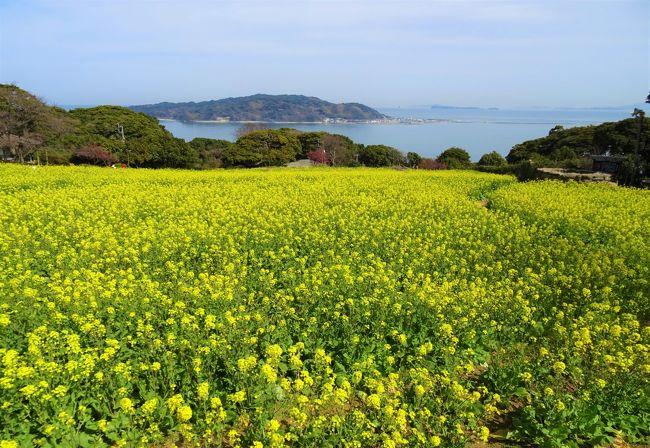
pixel 476 130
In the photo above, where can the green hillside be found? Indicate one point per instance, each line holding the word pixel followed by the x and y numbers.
pixel 269 108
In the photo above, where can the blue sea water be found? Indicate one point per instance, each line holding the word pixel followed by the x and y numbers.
pixel 476 130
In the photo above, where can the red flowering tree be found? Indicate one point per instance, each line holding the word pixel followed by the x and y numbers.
pixel 431 164
pixel 319 155
pixel 93 155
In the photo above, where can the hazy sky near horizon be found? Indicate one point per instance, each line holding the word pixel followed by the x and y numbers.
pixel 520 53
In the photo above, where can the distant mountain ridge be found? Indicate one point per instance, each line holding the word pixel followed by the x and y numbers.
pixel 260 107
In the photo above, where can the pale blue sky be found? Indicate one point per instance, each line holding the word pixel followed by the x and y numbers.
pixel 379 52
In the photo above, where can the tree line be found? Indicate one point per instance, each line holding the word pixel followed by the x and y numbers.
pixel 30 130
pixel 107 135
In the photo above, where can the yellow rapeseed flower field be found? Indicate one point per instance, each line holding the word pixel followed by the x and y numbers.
pixel 320 307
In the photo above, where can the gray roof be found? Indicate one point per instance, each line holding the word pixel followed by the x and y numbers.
pixel 596 158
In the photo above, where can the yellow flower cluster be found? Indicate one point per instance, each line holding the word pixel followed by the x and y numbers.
pixel 319 307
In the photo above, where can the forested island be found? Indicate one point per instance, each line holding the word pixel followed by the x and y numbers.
pixel 263 108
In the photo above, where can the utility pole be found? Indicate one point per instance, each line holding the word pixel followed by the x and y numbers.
pixel 640 114
pixel 120 133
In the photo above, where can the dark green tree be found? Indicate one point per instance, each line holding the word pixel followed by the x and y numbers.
pixel 413 159
pixel 132 136
pixel 210 151
pixel 492 159
pixel 455 158
pixel 567 147
pixel 380 155
pixel 267 147
pixel 309 141
pixel 579 140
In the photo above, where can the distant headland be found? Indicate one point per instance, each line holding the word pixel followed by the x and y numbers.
pixel 264 108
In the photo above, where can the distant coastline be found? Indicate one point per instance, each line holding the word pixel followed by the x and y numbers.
pixel 338 121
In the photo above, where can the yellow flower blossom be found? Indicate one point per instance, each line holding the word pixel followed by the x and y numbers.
pixel 184 413
pixel 203 390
